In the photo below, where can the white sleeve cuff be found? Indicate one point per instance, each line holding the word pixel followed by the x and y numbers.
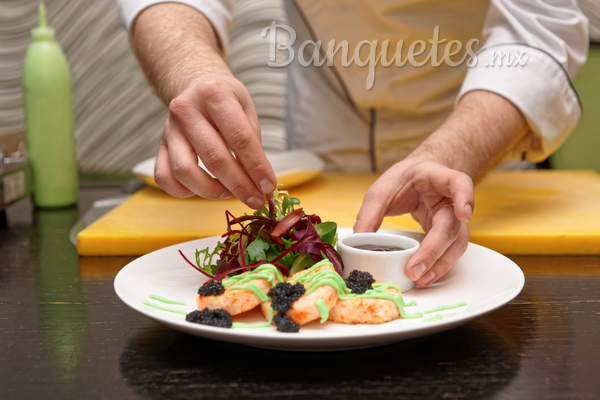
pixel 538 86
pixel 218 12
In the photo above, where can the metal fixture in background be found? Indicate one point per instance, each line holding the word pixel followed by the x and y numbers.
pixel 15 170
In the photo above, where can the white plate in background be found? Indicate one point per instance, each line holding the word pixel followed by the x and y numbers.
pixel 292 168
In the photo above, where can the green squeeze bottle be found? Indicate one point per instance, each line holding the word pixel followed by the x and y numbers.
pixel 49 123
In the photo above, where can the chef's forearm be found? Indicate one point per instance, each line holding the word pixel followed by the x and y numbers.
pixel 477 135
pixel 175 44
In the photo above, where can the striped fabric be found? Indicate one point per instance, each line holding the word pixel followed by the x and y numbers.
pixel 591 8
pixel 118 120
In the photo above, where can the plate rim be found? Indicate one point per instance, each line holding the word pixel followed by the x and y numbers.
pixel 281 341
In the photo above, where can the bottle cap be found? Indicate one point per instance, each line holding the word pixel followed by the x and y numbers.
pixel 42 31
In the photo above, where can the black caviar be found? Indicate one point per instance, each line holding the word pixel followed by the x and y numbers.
pixel 360 281
pixel 212 288
pixel 220 318
pixel 285 323
pixel 283 294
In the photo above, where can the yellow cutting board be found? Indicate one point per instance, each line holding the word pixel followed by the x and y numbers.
pixel 516 212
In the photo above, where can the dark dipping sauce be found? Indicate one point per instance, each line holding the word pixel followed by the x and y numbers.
pixel 377 247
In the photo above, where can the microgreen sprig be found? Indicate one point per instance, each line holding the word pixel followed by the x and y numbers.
pixel 277 233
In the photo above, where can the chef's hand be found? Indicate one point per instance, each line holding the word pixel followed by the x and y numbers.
pixel 439 198
pixel 212 115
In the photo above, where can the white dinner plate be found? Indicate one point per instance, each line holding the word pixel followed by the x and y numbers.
pixel 292 167
pixel 482 278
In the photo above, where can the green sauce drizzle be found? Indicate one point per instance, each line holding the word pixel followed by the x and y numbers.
pixel 323 310
pixel 442 308
pixel 434 318
pixel 166 301
pixel 266 271
pixel 147 303
pixel 251 286
pixel 312 282
pixel 332 278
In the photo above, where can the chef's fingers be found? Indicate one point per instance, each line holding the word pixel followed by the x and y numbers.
pixel 372 211
pixel 217 158
pixel 183 165
pixel 164 178
pixel 188 113
pixel 229 113
pixel 447 260
pixel 448 183
pixel 370 216
pixel 248 106
pixel 445 230
pixel 387 195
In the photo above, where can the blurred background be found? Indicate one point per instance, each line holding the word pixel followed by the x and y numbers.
pixel 118 121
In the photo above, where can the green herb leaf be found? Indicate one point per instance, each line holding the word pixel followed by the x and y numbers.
pixel 256 250
pixel 289 259
pixel 206 263
pixel 327 231
pixel 287 243
pixel 263 211
pixel 288 203
pixel 302 262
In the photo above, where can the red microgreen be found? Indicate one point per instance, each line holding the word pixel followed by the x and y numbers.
pixel 189 262
pixel 276 234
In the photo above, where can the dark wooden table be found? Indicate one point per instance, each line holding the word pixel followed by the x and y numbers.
pixel 64 334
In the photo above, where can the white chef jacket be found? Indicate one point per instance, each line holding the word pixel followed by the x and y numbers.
pixel 355 129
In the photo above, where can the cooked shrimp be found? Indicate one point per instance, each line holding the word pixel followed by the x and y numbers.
pixel 235 300
pixel 363 310
pixel 305 308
